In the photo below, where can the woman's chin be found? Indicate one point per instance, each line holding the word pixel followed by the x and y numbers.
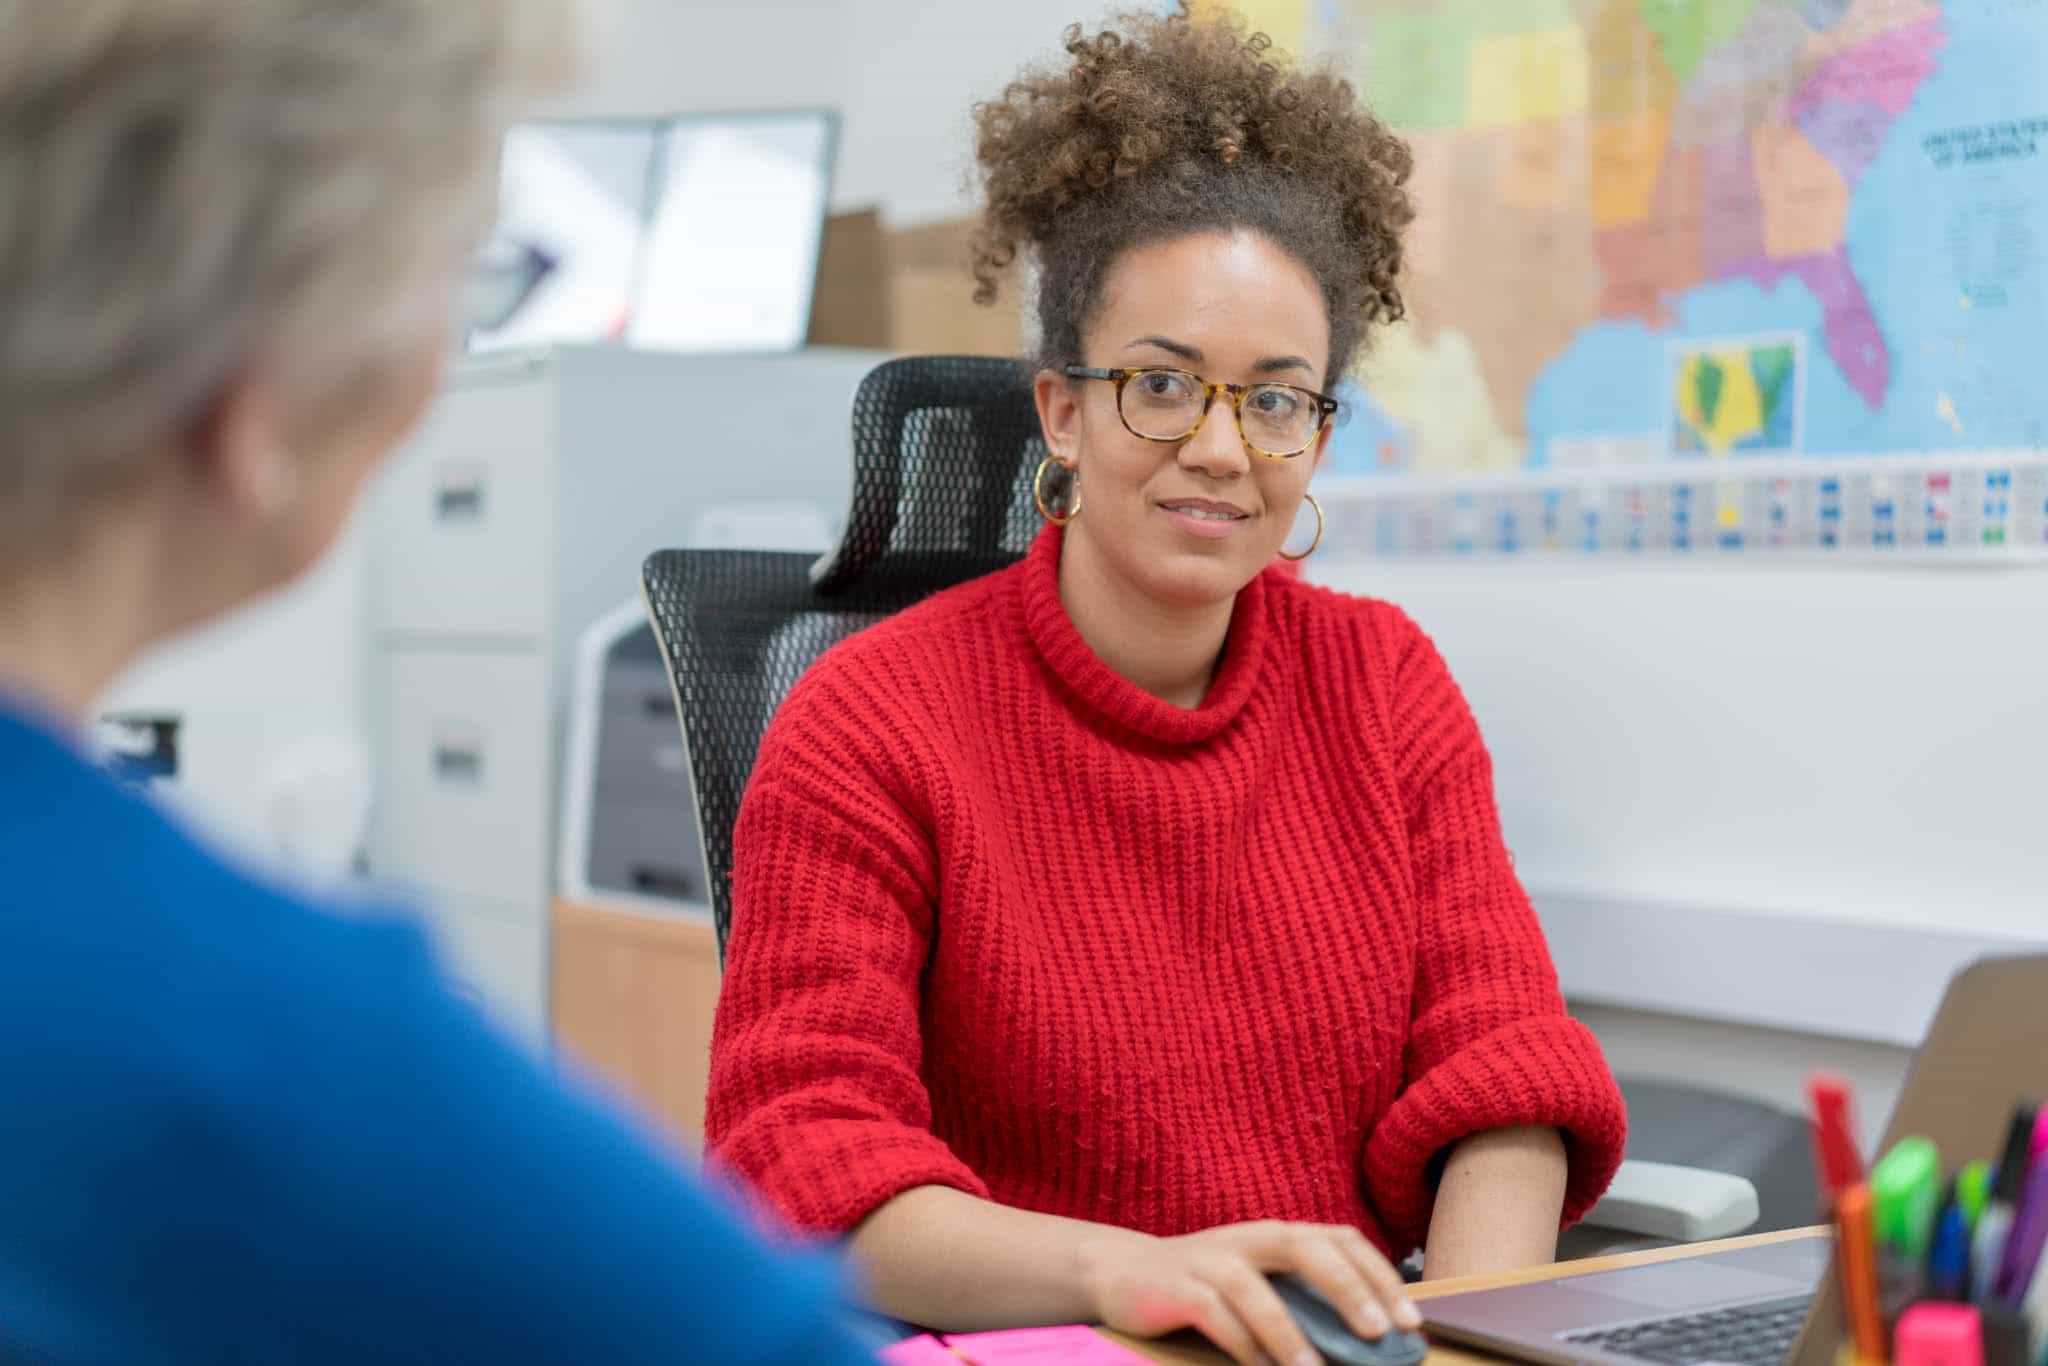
pixel 1197 580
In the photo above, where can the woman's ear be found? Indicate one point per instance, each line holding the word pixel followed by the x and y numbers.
pixel 1059 414
pixel 237 450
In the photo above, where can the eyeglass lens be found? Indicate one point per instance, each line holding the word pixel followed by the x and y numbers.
pixel 1166 405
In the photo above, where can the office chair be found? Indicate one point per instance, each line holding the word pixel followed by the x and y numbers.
pixel 944 450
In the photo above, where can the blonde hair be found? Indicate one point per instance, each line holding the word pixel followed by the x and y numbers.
pixel 190 186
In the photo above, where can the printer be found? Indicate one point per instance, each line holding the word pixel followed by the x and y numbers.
pixel 629 814
pixel 629 822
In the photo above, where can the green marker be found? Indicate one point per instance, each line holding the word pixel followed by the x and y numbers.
pixel 1905 1194
pixel 1973 1190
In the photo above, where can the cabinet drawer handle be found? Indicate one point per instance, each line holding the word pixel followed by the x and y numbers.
pixel 459 494
pixel 459 755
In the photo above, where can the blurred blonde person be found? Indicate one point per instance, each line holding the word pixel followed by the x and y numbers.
pixel 235 1127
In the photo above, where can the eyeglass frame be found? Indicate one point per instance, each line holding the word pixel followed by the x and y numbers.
pixel 1326 407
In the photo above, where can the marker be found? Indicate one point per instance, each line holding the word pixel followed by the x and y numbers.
pixel 1987 1246
pixel 2023 1245
pixel 1905 1189
pixel 2039 1147
pixel 1973 1188
pixel 1835 1156
pixel 1948 1259
pixel 1858 1259
pixel 1940 1335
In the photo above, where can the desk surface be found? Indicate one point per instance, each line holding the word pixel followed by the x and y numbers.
pixel 1191 1352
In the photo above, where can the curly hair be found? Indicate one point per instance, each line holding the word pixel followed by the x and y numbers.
pixel 1161 126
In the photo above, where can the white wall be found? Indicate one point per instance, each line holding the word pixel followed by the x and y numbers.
pixel 1858 743
pixel 1798 757
pixel 903 73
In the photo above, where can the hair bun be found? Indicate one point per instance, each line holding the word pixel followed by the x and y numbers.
pixel 1152 93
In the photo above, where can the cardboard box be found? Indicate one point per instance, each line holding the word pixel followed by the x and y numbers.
pixel 850 306
pixel 909 290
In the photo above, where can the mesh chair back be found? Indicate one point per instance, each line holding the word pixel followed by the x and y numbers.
pixel 944 450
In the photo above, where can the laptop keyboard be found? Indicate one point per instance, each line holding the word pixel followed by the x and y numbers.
pixel 1748 1335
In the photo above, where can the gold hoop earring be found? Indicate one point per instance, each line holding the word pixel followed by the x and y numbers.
pixel 1319 532
pixel 1038 491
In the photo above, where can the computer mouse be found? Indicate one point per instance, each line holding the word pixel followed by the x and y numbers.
pixel 1327 1332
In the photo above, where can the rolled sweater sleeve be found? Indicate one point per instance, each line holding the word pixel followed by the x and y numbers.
pixel 816 1100
pixel 1489 1043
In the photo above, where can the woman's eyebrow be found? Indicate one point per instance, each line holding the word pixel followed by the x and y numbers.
pixel 1266 365
pixel 1167 344
pixel 1271 364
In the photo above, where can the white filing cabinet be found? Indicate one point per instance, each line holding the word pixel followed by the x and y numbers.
pixel 518 515
pixel 462 677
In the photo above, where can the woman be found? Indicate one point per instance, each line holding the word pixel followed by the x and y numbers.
pixel 1134 922
pixel 235 1126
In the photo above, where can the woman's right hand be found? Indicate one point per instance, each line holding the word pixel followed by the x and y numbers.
pixel 1215 1282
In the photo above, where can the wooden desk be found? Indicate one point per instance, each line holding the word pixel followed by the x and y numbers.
pixel 1188 1351
pixel 633 1000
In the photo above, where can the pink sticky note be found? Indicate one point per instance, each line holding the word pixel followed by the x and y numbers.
pixel 1042 1347
pixel 919 1351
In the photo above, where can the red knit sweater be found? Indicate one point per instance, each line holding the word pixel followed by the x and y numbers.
pixel 1007 923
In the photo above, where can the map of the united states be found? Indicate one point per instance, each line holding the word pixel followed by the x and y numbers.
pixel 1604 182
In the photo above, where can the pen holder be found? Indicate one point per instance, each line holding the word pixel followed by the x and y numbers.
pixel 1981 1053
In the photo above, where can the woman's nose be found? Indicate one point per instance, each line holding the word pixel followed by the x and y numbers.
pixel 1217 449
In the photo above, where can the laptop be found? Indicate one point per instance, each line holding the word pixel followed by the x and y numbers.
pixel 1777 1302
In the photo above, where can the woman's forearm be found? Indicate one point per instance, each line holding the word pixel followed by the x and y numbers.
pixel 1498 1203
pixel 944 1259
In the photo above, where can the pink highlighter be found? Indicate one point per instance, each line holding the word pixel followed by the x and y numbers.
pixel 2039 1147
pixel 1931 1334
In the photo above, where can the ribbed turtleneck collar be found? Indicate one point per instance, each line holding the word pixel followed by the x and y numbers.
pixel 1099 686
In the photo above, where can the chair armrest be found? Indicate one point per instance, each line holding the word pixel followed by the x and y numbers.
pixel 1682 1204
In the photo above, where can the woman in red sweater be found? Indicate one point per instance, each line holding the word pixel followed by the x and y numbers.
pixel 1134 922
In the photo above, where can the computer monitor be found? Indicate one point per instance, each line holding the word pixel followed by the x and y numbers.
pixel 692 233
pixel 573 210
pixel 732 244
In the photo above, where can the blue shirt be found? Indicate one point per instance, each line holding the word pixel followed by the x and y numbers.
pixel 235 1127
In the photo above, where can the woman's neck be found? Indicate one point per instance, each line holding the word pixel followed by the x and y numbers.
pixel 1170 652
pixel 69 626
